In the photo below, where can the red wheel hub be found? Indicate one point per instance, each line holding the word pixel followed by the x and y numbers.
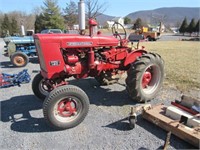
pixel 67 108
pixel 147 76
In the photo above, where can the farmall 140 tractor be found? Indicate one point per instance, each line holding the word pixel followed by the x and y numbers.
pixel 103 57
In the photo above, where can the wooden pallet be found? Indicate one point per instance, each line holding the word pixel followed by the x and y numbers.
pixel 156 115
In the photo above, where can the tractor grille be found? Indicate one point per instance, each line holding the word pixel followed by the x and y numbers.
pixel 40 55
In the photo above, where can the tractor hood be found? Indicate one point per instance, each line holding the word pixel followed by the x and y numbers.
pixel 77 41
pixel 19 39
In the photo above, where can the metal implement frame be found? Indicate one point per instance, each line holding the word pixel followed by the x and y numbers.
pixel 156 115
pixel 7 80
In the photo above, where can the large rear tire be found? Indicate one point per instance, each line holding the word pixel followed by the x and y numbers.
pixel 40 89
pixel 65 107
pixel 145 77
pixel 19 59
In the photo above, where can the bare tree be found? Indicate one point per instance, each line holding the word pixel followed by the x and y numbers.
pixel 71 14
pixel 94 8
pixel 37 10
pixel 159 19
pixel 16 18
pixel 22 17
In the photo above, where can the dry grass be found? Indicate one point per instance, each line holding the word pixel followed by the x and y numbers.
pixel 182 62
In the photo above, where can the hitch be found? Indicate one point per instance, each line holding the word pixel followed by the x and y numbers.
pixel 133 114
pixel 132 118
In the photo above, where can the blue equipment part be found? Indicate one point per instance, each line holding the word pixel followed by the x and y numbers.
pixel 7 80
pixel 19 40
pixel 28 50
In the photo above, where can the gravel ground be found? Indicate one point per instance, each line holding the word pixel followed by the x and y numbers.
pixel 105 127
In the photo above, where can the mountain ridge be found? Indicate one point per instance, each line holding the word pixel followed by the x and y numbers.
pixel 172 16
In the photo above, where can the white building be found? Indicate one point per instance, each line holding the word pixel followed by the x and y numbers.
pixel 116 19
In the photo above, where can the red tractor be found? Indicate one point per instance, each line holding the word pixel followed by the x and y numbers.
pixel 103 57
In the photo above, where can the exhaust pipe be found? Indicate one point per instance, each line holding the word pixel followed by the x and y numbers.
pixel 22 30
pixel 81 15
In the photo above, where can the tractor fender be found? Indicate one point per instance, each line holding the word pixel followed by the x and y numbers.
pixel 131 57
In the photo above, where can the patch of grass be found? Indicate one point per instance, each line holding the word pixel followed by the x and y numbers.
pixel 182 62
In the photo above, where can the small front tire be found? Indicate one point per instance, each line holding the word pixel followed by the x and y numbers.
pixel 65 107
pixel 39 88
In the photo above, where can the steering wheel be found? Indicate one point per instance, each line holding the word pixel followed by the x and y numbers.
pixel 115 27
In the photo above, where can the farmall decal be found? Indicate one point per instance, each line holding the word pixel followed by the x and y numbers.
pixel 79 43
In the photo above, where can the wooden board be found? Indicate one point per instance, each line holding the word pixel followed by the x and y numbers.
pixel 156 115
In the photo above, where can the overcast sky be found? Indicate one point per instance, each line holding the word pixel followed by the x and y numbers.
pixel 118 8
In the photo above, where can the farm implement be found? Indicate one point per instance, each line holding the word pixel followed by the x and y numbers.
pixel 181 118
pixel 8 80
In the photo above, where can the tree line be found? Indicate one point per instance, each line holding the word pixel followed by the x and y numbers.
pixel 50 15
pixel 189 28
pixel 10 22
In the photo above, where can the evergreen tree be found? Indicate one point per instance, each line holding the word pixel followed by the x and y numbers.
pixel 127 20
pixel 184 26
pixel 14 26
pixel 39 23
pixel 191 27
pixel 137 24
pixel 5 26
pixel 71 14
pixel 50 17
pixel 197 27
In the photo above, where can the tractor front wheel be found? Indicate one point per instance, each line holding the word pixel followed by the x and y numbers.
pixel 145 77
pixel 40 88
pixel 65 107
pixel 19 59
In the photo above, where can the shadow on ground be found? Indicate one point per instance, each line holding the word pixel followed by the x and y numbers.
pixel 17 111
pixel 103 95
pixel 121 125
pixel 162 134
pixel 8 64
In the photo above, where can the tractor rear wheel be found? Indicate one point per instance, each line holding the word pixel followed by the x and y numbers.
pixel 145 77
pixel 40 88
pixel 65 107
pixel 107 78
pixel 19 59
